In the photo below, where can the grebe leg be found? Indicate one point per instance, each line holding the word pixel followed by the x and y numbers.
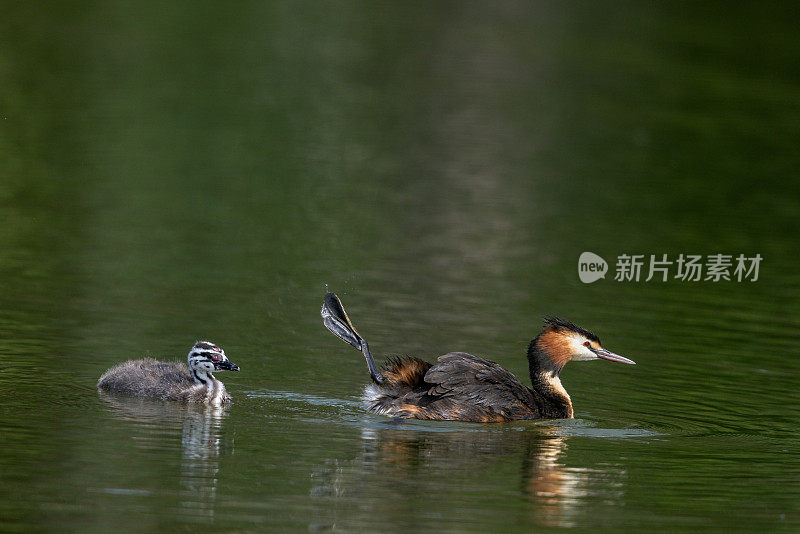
pixel 337 321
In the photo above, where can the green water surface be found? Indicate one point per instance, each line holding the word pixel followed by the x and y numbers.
pixel 179 171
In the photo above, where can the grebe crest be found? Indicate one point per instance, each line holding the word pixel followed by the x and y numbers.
pixel 171 380
pixel 562 341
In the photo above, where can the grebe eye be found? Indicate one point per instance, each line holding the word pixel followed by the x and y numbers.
pixel 587 345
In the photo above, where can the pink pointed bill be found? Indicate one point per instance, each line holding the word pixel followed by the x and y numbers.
pixel 610 356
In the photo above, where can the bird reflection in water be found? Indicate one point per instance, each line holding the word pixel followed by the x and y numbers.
pixel 554 488
pixel 200 428
pixel 428 463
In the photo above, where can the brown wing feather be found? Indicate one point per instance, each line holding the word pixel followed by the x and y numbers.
pixel 460 387
pixel 483 389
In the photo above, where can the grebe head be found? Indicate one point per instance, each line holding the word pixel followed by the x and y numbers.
pixel 206 357
pixel 562 341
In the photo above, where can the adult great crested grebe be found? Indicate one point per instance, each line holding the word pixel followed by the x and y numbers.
pixel 463 387
pixel 173 380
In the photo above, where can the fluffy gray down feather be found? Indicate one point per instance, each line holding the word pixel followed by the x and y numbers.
pixel 151 378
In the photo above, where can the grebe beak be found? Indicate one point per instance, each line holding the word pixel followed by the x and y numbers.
pixel 610 356
pixel 226 365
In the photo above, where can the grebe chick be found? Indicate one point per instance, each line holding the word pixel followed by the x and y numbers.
pixel 173 380
pixel 463 387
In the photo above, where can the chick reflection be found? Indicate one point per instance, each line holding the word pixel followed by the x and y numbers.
pixel 200 428
pixel 480 464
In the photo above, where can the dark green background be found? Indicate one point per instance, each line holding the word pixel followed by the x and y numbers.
pixel 180 171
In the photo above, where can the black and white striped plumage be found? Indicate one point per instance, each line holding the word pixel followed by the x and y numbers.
pixel 173 380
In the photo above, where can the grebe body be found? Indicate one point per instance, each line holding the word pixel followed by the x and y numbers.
pixel 173 380
pixel 464 387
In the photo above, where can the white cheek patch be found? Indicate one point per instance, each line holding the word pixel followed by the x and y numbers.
pixel 580 352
